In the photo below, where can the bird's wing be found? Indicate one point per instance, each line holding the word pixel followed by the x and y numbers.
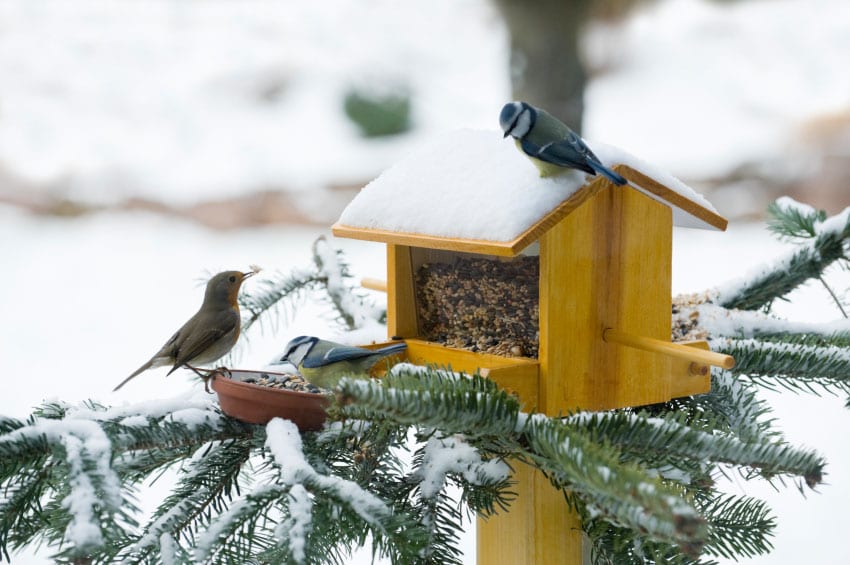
pixel 564 153
pixel 202 335
pixel 337 353
pixel 348 353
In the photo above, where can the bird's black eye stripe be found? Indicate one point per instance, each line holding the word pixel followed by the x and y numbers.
pixel 514 122
pixel 232 278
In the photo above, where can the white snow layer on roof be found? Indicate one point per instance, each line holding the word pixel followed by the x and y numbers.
pixel 472 184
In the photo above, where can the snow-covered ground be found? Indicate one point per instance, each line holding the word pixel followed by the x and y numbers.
pixel 186 100
pixel 85 302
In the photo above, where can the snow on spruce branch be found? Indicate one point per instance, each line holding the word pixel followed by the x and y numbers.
pixel 353 308
pixel 90 449
pixel 360 316
pixel 796 366
pixel 820 242
pixel 94 486
pixel 718 321
pixel 285 444
pixel 453 455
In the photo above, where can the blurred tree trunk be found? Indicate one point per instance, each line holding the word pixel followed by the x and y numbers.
pixel 546 70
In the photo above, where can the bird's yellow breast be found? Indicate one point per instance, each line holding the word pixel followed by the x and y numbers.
pixel 545 169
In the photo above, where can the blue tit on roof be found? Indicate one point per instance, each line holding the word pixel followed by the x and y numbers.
pixel 549 143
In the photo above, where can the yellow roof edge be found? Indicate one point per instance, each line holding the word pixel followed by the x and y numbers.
pixel 506 249
pixel 673 198
pixel 536 230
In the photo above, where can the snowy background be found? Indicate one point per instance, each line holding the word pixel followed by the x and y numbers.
pixel 186 101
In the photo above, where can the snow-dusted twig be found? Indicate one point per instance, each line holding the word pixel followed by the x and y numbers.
pixel 822 241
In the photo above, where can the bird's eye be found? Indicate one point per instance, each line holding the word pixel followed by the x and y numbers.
pixel 232 278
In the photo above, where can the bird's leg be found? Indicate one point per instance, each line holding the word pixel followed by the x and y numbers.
pixel 197 371
pixel 207 374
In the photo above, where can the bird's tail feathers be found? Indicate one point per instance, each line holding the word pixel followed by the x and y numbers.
pixel 136 373
pixel 601 169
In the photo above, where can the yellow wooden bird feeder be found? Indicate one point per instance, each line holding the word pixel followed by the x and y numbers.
pixel 604 292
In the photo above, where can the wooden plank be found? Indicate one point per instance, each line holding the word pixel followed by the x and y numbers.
pixel 421 351
pixel 641 248
pixel 538 529
pixel 519 379
pixel 558 536
pixel 503 249
pixel 402 319
pixel 501 537
pixel 672 197
pixel 517 375
pixel 688 378
pixel 608 264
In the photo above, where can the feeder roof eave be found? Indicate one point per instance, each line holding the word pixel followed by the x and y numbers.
pixel 687 213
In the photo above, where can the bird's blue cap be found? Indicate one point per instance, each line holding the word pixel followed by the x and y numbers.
pixel 509 115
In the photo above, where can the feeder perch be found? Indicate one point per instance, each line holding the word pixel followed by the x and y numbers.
pixel 603 286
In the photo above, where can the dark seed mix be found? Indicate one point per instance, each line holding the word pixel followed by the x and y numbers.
pixel 288 382
pixel 481 305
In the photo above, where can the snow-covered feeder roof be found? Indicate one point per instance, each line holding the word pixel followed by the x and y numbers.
pixel 474 191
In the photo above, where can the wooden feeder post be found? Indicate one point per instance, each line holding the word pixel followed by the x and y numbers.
pixel 605 256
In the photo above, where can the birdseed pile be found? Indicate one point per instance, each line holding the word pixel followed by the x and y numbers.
pixel 288 382
pixel 481 305
pixel 686 322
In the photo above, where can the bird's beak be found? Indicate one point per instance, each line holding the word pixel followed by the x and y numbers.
pixel 248 274
pixel 506 134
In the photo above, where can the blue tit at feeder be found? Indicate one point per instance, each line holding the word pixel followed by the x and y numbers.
pixel 324 363
pixel 549 143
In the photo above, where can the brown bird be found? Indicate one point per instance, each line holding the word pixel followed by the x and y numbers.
pixel 209 334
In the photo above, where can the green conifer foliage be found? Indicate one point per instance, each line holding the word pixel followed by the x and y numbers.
pixel 404 461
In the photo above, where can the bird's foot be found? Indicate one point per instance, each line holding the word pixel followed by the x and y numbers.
pixel 209 374
pixel 221 371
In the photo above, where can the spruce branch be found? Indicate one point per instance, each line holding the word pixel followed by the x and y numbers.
pixel 68 473
pixel 329 273
pixel 641 479
pixel 731 406
pixel 348 302
pixel 350 501
pixel 792 361
pixel 834 296
pixel 623 493
pixel 737 526
pixel 244 529
pixel 669 439
pixel 821 242
pixel 792 220
pixel 204 488
pixel 283 289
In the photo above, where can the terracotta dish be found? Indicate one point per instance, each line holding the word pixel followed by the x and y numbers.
pixel 257 404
